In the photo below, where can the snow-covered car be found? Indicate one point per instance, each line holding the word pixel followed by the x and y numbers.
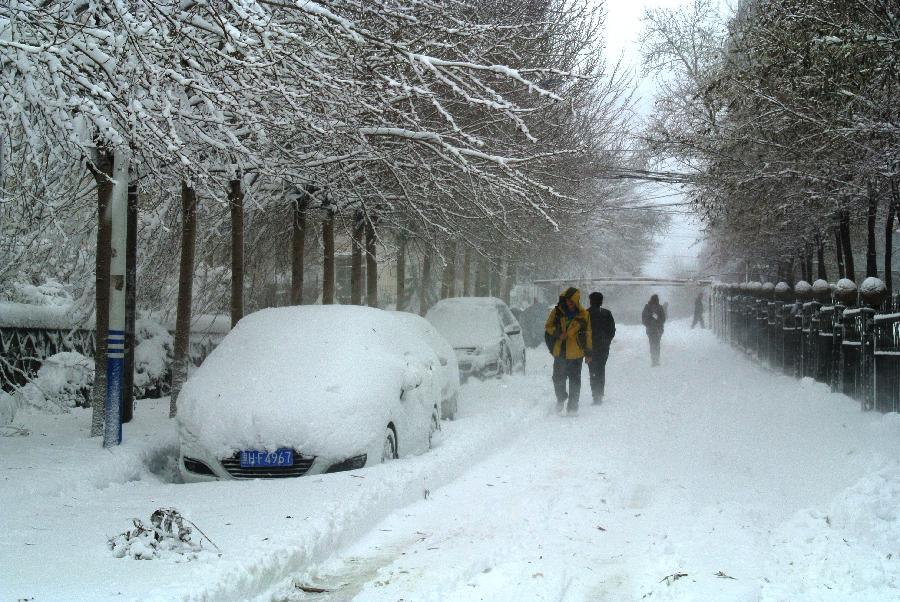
pixel 307 390
pixel 449 367
pixel 484 334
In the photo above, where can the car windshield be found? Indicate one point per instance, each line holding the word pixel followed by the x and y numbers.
pixel 466 325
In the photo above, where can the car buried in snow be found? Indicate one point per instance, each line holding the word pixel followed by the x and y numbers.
pixel 485 335
pixel 295 391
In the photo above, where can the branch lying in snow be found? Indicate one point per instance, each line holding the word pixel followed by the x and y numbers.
pixel 670 579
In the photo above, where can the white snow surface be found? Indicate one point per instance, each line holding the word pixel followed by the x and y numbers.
pixel 845 284
pixel 752 485
pixel 872 285
pixel 820 286
pixel 287 377
pixel 467 321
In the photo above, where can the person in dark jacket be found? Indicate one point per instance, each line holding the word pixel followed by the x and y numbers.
pixel 603 330
pixel 654 318
pixel 698 312
pixel 568 335
pixel 532 322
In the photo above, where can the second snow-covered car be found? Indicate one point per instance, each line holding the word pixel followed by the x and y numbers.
pixel 447 358
pixel 307 390
pixel 484 334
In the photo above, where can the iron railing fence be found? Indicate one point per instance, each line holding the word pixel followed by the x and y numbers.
pixel 853 347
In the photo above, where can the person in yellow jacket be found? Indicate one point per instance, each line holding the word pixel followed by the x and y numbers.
pixel 568 336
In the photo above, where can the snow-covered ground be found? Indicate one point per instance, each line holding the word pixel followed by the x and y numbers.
pixel 708 478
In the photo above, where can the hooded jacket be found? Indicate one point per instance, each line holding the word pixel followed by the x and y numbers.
pixel 578 340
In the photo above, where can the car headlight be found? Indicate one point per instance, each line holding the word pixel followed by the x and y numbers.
pixel 348 464
pixel 197 467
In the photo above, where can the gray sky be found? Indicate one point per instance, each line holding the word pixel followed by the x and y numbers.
pixel 680 244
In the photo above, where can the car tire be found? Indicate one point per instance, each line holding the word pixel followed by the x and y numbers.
pixel 505 365
pixel 389 451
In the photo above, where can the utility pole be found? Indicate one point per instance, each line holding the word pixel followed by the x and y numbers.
pixel 115 358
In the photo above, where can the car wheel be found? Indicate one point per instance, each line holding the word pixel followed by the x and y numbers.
pixel 505 366
pixel 434 427
pixel 389 452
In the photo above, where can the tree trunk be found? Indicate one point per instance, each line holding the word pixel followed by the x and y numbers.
pixel 454 255
pixel 401 273
pixel 482 284
pixel 356 273
pixel 820 257
pixel 328 261
pixel 808 262
pixel 449 275
pixel 102 171
pixel 185 293
pixel 371 264
pixel 467 273
pixel 425 284
pixel 298 247
pixel 508 278
pixel 872 214
pixel 889 236
pixel 236 203
pixel 847 246
pixel 839 252
pixel 130 304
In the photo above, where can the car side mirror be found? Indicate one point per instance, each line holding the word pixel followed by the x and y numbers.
pixel 513 329
pixel 413 374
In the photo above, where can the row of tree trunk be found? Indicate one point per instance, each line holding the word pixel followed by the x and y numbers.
pixel 843 247
pixel 486 280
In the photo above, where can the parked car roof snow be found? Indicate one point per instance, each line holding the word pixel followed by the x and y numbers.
pixel 312 378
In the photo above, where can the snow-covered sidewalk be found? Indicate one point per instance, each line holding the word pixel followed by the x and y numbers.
pixel 708 478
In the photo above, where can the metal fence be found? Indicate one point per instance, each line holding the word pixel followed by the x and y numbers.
pixel 23 350
pixel 849 341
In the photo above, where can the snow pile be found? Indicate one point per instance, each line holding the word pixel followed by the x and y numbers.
pixel 63 382
pixel 845 285
pixel 803 288
pixel 287 376
pixel 169 535
pixel 847 552
pixel 51 294
pixel 153 354
pixel 467 322
pixel 872 285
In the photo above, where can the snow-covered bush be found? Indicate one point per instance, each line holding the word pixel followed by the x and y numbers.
pixel 51 293
pixel 153 354
pixel 169 534
pixel 63 381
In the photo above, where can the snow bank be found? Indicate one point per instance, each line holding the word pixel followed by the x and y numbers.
pixel 286 376
pixel 845 552
pixel 63 381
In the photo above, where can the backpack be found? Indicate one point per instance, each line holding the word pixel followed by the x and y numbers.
pixel 549 339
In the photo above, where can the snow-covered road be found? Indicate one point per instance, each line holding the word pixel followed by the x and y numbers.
pixel 733 482
pixel 749 484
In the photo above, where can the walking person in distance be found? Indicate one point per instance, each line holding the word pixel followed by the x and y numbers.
pixel 603 330
pixel 698 311
pixel 654 318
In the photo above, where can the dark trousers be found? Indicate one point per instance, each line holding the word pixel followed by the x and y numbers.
pixel 654 346
pixel 698 318
pixel 597 370
pixel 564 370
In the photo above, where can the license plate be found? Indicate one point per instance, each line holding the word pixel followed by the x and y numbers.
pixel 259 459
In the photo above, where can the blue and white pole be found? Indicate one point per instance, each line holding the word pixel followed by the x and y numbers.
pixel 115 346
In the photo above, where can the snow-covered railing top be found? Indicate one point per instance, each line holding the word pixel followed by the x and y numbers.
pixel 59 317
